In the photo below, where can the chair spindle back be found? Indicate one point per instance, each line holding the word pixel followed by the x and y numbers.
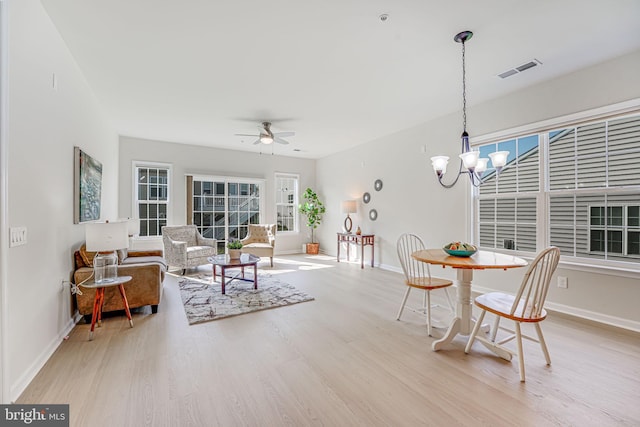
pixel 407 244
pixel 530 298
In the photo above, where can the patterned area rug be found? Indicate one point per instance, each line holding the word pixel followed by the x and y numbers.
pixel 203 300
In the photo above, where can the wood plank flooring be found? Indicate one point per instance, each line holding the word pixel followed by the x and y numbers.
pixel 341 360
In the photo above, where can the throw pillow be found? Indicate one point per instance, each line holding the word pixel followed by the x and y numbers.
pixel 87 257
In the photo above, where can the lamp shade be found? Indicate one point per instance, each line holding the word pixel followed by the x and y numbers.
pixel 107 236
pixel 133 226
pixel 349 206
pixel 440 164
pixel 499 159
pixel 482 165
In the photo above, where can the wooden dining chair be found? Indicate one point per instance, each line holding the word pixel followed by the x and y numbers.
pixel 527 306
pixel 417 275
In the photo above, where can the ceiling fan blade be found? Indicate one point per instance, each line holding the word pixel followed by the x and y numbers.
pixel 245 134
pixel 257 141
pixel 284 134
pixel 280 140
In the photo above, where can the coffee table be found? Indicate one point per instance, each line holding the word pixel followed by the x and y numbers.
pixel 225 262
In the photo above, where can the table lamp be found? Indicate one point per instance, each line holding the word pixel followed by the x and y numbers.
pixel 106 238
pixel 348 206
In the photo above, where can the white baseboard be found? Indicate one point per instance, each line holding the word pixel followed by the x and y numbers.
pixel 17 388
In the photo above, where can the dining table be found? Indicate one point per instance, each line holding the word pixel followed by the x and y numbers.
pixel 463 322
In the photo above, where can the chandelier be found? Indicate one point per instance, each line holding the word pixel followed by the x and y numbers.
pixel 470 161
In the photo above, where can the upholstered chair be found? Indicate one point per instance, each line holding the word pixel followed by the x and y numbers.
pixel 184 246
pixel 260 240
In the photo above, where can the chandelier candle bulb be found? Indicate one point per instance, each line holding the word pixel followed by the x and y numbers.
pixel 499 159
pixel 440 164
pixel 470 159
pixel 481 166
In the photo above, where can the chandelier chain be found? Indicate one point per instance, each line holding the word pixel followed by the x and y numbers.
pixel 464 90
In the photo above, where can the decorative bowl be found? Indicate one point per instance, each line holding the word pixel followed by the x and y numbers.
pixel 459 253
pixel 460 249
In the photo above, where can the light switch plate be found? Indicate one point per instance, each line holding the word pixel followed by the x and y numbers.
pixel 17 236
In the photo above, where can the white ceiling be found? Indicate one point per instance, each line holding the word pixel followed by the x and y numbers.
pixel 198 71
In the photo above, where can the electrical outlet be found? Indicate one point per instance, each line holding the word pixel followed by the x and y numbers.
pixel 563 282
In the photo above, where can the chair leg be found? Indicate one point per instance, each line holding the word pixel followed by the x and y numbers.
pixel 404 301
pixel 428 313
pixel 543 344
pixel 474 332
pixel 520 352
pixel 494 329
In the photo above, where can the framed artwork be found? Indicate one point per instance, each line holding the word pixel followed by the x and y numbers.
pixel 87 189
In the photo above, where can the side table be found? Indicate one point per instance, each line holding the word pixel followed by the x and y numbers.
pixel 360 239
pixel 99 299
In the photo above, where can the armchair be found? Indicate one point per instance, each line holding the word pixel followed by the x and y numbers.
pixel 185 247
pixel 260 240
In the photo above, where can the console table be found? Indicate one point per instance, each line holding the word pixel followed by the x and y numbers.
pixel 359 239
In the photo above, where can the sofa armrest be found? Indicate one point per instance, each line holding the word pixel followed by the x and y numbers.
pixel 139 253
pixel 206 241
pixel 175 252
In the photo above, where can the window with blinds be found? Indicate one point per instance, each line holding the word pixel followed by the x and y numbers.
pixel 507 203
pixel 594 189
pixel 577 187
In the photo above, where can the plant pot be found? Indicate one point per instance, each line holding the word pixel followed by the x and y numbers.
pixel 235 253
pixel 313 248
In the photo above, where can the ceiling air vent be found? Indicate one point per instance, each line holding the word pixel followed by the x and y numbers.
pixel 519 69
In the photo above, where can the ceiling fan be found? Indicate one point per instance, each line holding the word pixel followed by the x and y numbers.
pixel 266 136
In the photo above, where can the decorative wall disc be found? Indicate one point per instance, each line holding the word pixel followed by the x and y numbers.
pixel 373 214
pixel 378 184
pixel 366 197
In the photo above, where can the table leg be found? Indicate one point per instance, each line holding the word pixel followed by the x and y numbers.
pixel 100 304
pixel 255 276
pixel 214 272
pixel 462 323
pixel 126 303
pixel 338 256
pixel 222 276
pixel 362 253
pixel 373 251
pixel 94 313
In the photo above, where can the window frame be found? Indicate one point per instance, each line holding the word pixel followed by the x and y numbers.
pixel 293 205
pixel 227 180
pixel 614 267
pixel 135 205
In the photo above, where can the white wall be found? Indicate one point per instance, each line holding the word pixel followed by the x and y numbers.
pixel 43 126
pixel 411 199
pixel 199 160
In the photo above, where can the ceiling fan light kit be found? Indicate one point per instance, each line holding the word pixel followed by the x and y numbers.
pixel 266 136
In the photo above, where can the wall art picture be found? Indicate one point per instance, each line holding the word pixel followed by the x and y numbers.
pixel 87 187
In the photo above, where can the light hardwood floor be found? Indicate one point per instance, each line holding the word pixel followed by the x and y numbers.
pixel 340 360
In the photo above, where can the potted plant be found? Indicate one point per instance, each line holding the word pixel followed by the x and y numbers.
pixel 313 209
pixel 234 247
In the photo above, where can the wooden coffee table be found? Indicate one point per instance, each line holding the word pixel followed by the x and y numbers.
pixel 225 262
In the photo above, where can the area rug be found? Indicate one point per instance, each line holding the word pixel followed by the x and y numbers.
pixel 203 300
